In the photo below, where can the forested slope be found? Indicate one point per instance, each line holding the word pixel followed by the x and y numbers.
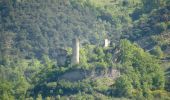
pixel 35 27
pixel 33 31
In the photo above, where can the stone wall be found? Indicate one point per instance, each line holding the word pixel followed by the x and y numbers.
pixel 78 75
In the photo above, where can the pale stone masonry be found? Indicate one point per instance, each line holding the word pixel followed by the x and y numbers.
pixel 75 51
pixel 106 43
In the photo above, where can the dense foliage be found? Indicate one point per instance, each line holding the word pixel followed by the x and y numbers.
pixel 141 73
pixel 31 32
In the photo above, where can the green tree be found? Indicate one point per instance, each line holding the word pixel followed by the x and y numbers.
pixel 123 87
pixel 21 88
pixel 149 5
pixel 141 69
pixel 39 97
pixel 157 52
pixel 6 90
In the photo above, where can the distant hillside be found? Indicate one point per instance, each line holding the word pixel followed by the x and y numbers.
pixel 36 54
pixel 36 27
pixel 152 29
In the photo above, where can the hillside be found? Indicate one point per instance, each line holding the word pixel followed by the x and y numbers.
pixel 36 27
pixel 36 49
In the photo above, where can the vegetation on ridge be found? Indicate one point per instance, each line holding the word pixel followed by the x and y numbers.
pixel 34 32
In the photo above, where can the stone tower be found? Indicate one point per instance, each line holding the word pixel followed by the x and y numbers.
pixel 106 43
pixel 75 51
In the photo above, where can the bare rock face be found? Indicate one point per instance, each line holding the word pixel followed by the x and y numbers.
pixel 74 75
pixel 78 75
pixel 109 73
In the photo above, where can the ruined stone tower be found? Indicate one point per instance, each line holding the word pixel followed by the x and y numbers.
pixel 106 43
pixel 75 51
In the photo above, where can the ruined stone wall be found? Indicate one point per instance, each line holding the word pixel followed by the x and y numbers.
pixel 78 75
